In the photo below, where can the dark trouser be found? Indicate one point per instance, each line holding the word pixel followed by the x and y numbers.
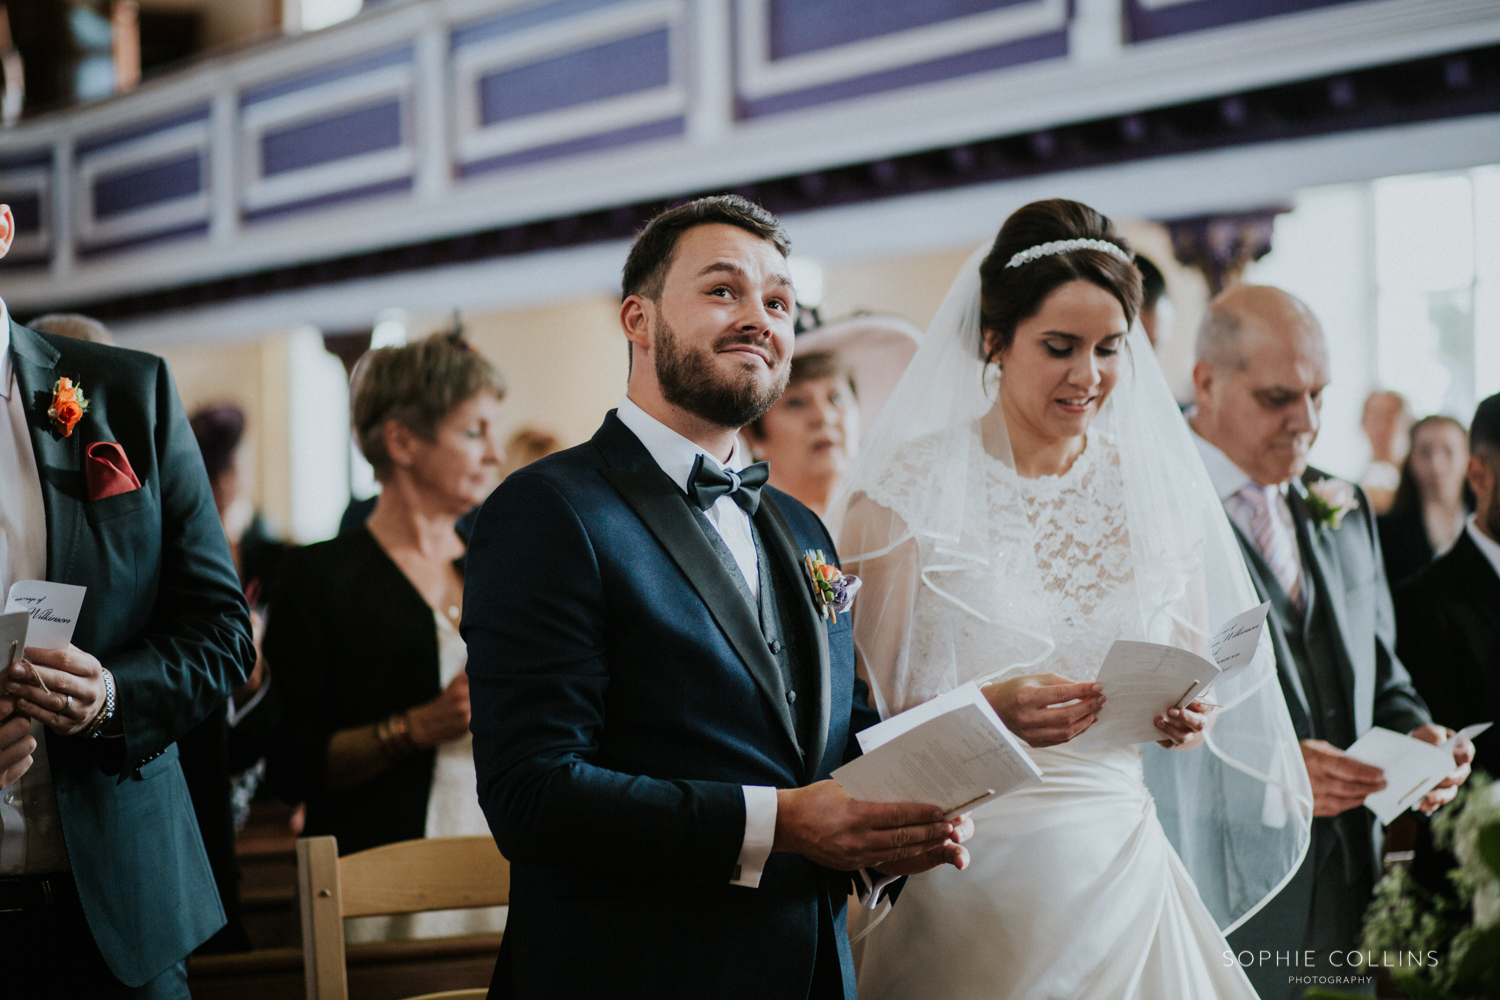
pixel 1304 937
pixel 51 954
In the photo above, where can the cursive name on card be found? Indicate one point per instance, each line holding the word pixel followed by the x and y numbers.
pixel 53 609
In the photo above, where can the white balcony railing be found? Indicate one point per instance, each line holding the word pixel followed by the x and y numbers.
pixel 437 117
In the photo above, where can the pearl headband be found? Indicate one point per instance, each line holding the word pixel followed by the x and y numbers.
pixel 1064 246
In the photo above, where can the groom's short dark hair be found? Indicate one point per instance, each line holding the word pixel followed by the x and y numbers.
pixel 651 255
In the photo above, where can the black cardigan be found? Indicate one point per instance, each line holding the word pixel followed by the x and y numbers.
pixel 349 641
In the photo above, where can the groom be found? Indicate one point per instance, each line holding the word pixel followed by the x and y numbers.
pixel 657 701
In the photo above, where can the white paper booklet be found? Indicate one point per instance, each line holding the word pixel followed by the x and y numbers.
pixel 952 752
pixel 53 608
pixel 1143 679
pixel 1412 768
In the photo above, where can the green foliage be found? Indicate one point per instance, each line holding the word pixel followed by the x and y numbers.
pixel 1405 917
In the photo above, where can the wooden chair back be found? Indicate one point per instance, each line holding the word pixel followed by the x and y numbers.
pixel 413 876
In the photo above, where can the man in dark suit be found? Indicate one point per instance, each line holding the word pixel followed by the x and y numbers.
pixel 1311 547
pixel 1448 616
pixel 104 884
pixel 657 698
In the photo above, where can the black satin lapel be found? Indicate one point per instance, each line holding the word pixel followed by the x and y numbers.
pixel 1330 582
pixel 781 545
pixel 59 460
pixel 659 504
pixel 1253 563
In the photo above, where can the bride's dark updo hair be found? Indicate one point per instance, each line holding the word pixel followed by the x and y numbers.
pixel 1010 295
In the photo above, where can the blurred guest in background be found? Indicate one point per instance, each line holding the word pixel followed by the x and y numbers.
pixel 809 435
pixel 525 446
pixel 862 358
pixel 1448 616
pixel 1157 311
pixel 362 634
pixel 1386 421
pixel 220 430
pixel 222 757
pixel 1432 502
pixel 75 326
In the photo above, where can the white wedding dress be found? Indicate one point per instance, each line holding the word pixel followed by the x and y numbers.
pixel 1119 874
pixel 1073 890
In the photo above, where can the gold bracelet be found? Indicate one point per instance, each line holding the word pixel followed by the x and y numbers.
pixel 394 737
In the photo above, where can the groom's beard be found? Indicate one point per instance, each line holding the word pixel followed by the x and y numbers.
pixel 690 380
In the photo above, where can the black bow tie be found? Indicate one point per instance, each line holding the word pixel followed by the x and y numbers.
pixel 706 484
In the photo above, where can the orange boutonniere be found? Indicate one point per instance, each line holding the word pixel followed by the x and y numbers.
pixel 68 406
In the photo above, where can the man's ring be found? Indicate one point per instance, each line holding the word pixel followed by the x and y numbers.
pixel 67 702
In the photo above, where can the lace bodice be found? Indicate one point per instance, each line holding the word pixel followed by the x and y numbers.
pixel 1082 553
pixel 1041 579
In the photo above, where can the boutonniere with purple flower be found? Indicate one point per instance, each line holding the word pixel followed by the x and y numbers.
pixel 1329 500
pixel 833 590
pixel 68 406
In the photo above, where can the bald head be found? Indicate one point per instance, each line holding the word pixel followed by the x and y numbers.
pixel 1259 381
pixel 1246 311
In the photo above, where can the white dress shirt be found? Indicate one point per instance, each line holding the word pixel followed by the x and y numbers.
pixel 1228 479
pixel 675 455
pixel 31 839
pixel 1487 545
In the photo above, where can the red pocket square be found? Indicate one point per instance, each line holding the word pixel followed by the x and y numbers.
pixel 108 471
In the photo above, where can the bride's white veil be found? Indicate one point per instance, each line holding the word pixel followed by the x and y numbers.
pixel 917 513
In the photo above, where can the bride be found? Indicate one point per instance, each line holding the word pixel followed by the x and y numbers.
pixel 1029 495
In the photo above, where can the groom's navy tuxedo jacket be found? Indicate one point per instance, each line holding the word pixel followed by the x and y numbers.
pixel 622 694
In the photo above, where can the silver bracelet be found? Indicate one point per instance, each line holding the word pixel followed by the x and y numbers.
pixel 104 717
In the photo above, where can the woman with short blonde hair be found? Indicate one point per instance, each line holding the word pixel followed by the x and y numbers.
pixel 363 633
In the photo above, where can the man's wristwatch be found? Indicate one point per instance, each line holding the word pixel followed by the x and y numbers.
pixel 104 718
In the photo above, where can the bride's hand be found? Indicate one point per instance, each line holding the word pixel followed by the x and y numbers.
pixel 1183 726
pixel 1045 709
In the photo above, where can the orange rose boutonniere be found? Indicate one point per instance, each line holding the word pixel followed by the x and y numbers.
pixel 68 406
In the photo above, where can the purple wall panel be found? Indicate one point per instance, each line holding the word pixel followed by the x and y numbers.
pixel 573 147
pixel 141 187
pixel 328 74
pixel 146 239
pixel 138 130
pixel 1143 24
pixel 26 158
pixel 1049 46
pixel 397 186
pixel 26 208
pixel 335 137
pixel 623 67
pixel 801 26
pixel 531 16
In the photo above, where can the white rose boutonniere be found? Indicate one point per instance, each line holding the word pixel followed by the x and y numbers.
pixel 1329 500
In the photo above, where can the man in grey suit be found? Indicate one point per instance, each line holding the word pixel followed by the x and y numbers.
pixel 1310 543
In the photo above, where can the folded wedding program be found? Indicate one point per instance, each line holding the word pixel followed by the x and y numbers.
pixel 952 752
pixel 1412 768
pixel 39 613
pixel 1143 679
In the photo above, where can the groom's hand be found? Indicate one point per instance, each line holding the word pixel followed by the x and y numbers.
pixel 952 852
pixel 823 824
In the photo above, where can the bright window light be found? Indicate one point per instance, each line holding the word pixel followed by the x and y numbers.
pixel 321 13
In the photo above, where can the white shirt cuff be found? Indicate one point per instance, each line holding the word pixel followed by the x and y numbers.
pixel 760 834
pixel 875 888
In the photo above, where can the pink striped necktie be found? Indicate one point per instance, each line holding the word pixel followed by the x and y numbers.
pixel 1276 544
